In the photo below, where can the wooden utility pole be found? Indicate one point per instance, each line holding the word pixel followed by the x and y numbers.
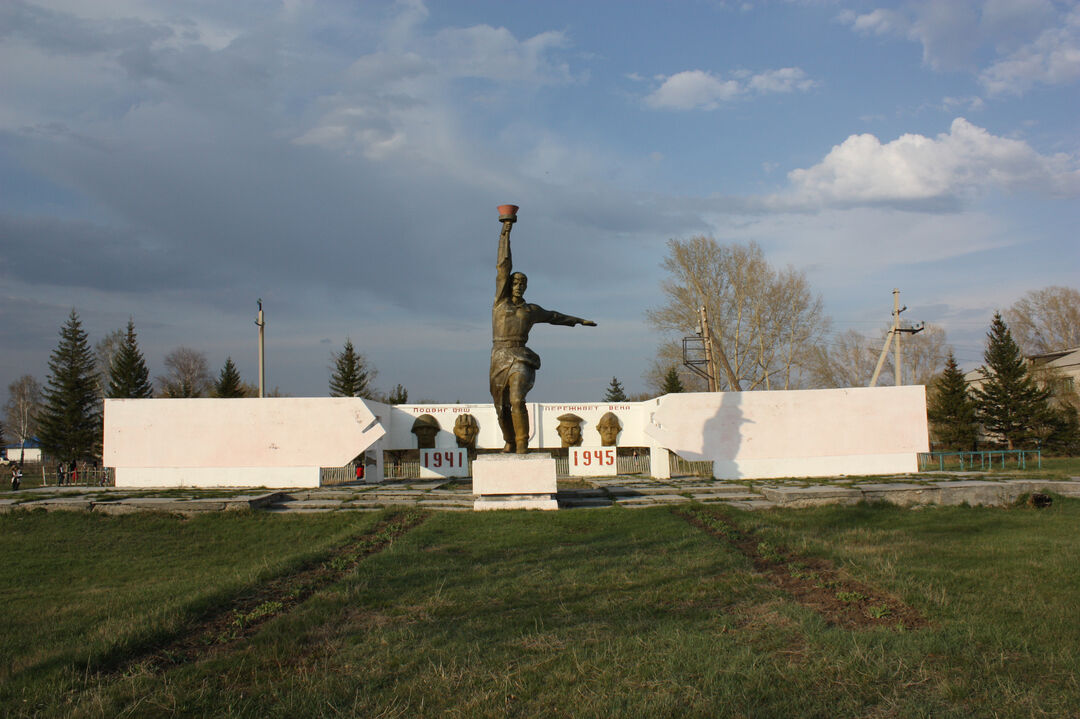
pixel 706 335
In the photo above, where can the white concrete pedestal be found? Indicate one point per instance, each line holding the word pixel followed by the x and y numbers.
pixel 514 481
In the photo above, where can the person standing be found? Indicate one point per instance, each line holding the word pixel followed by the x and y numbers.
pixel 61 474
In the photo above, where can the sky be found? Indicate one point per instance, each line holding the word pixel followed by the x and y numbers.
pixel 175 161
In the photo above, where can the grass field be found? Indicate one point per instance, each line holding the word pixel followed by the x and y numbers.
pixel 697 612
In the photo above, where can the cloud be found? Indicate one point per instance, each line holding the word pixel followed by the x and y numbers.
pixel 786 79
pixel 409 101
pixel 919 172
pixel 82 254
pixel 495 54
pixel 701 90
pixel 690 90
pixel 1053 58
pixel 958 35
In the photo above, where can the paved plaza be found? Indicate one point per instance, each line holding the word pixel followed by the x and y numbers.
pixel 628 492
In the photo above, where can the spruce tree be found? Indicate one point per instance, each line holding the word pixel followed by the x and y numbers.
pixel 129 377
pixel 400 395
pixel 615 392
pixel 1009 404
pixel 229 383
pixel 351 376
pixel 951 410
pixel 70 422
pixel 672 383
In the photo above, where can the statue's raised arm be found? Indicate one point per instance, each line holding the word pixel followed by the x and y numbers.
pixel 504 263
pixel 513 365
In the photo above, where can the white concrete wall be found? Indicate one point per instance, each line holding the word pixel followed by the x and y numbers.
pixel 280 441
pixel 804 433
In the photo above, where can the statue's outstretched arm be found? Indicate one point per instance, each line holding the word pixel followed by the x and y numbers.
pixel 539 315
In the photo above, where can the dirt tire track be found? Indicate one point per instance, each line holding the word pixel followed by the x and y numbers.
pixel 224 628
pixel 813 582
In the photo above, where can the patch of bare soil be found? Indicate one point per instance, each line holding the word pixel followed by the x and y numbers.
pixel 811 581
pixel 227 626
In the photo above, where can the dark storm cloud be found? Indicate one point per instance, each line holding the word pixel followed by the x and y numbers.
pixel 46 250
pixel 68 34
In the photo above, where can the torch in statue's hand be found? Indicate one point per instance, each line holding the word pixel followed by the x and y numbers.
pixel 508 213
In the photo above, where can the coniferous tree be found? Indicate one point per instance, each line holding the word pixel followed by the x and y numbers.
pixel 70 421
pixel 400 395
pixel 351 375
pixel 615 392
pixel 229 383
pixel 951 410
pixel 672 383
pixel 129 377
pixel 1009 404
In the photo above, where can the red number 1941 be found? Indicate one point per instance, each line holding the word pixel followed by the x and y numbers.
pixel 438 460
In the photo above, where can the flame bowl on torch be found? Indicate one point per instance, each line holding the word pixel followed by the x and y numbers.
pixel 508 213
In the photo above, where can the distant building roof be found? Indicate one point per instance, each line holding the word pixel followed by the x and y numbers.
pixel 30 444
pixel 1067 360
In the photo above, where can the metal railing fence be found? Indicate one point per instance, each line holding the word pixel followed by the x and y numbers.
pixel 981 460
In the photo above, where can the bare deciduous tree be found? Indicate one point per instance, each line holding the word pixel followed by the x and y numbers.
pixel 845 360
pixel 20 412
pixel 104 351
pixel 848 359
pixel 668 355
pixel 1046 320
pixel 187 374
pixel 924 355
pixel 764 322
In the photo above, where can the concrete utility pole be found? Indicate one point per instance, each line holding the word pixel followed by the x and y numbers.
pixel 261 323
pixel 896 330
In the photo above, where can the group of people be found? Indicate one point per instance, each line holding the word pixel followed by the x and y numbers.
pixel 63 476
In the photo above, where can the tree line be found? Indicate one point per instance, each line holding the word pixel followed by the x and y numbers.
pixel 1013 402
pixel 768 325
pixel 66 414
pixel 770 330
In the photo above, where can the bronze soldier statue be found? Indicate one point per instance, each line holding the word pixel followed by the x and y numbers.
pixel 513 365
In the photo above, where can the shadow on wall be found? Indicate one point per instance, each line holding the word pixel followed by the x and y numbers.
pixel 702 427
pixel 723 436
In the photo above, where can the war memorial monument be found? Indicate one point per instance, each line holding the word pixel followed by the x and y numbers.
pixel 505 446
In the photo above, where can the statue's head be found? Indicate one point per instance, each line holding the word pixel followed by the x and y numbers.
pixel 569 429
pixel 608 427
pixel 465 429
pixel 425 428
pixel 518 283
